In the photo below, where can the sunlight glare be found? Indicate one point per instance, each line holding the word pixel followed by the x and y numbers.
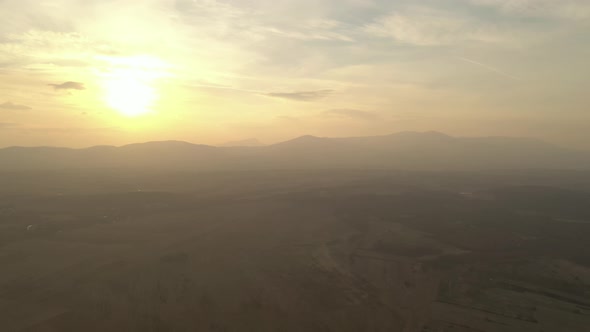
pixel 129 84
pixel 130 96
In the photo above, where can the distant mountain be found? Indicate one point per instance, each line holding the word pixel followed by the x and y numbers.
pixel 406 150
pixel 251 142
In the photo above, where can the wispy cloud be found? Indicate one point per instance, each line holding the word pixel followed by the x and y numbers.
pixel 20 127
pixel 426 26
pixel 352 113
pixel 302 95
pixel 228 20
pixel 488 67
pixel 69 86
pixel 306 34
pixel 8 125
pixel 73 130
pixel 213 86
pixel 14 107
pixel 576 10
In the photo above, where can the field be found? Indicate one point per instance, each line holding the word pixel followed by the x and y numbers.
pixel 295 251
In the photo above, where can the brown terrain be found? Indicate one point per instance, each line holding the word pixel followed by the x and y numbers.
pixel 295 251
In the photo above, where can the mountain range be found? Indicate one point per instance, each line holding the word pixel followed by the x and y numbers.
pixel 251 142
pixel 405 150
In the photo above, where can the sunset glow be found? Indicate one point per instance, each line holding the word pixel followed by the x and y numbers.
pixel 130 96
pixel 212 71
pixel 130 84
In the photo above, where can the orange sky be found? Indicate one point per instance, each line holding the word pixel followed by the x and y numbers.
pixel 81 73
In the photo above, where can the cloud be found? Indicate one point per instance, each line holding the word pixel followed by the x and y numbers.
pixel 352 113
pixel 576 10
pixel 425 26
pixel 74 130
pixel 490 68
pixel 14 107
pixel 309 34
pixel 263 21
pixel 8 125
pixel 69 86
pixel 20 127
pixel 302 95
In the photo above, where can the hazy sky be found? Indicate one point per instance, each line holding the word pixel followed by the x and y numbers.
pixel 87 72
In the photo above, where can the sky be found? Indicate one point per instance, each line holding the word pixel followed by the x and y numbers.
pixel 79 73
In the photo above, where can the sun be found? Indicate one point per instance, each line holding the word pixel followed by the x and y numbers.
pixel 130 84
pixel 130 96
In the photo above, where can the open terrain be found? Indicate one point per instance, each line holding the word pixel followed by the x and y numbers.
pixel 295 251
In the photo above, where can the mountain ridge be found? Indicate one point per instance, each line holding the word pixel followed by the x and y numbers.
pixel 298 138
pixel 250 142
pixel 405 150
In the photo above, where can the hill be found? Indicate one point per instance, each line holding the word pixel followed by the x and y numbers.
pixel 251 142
pixel 406 150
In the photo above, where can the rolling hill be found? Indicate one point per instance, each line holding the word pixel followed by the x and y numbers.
pixel 406 150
